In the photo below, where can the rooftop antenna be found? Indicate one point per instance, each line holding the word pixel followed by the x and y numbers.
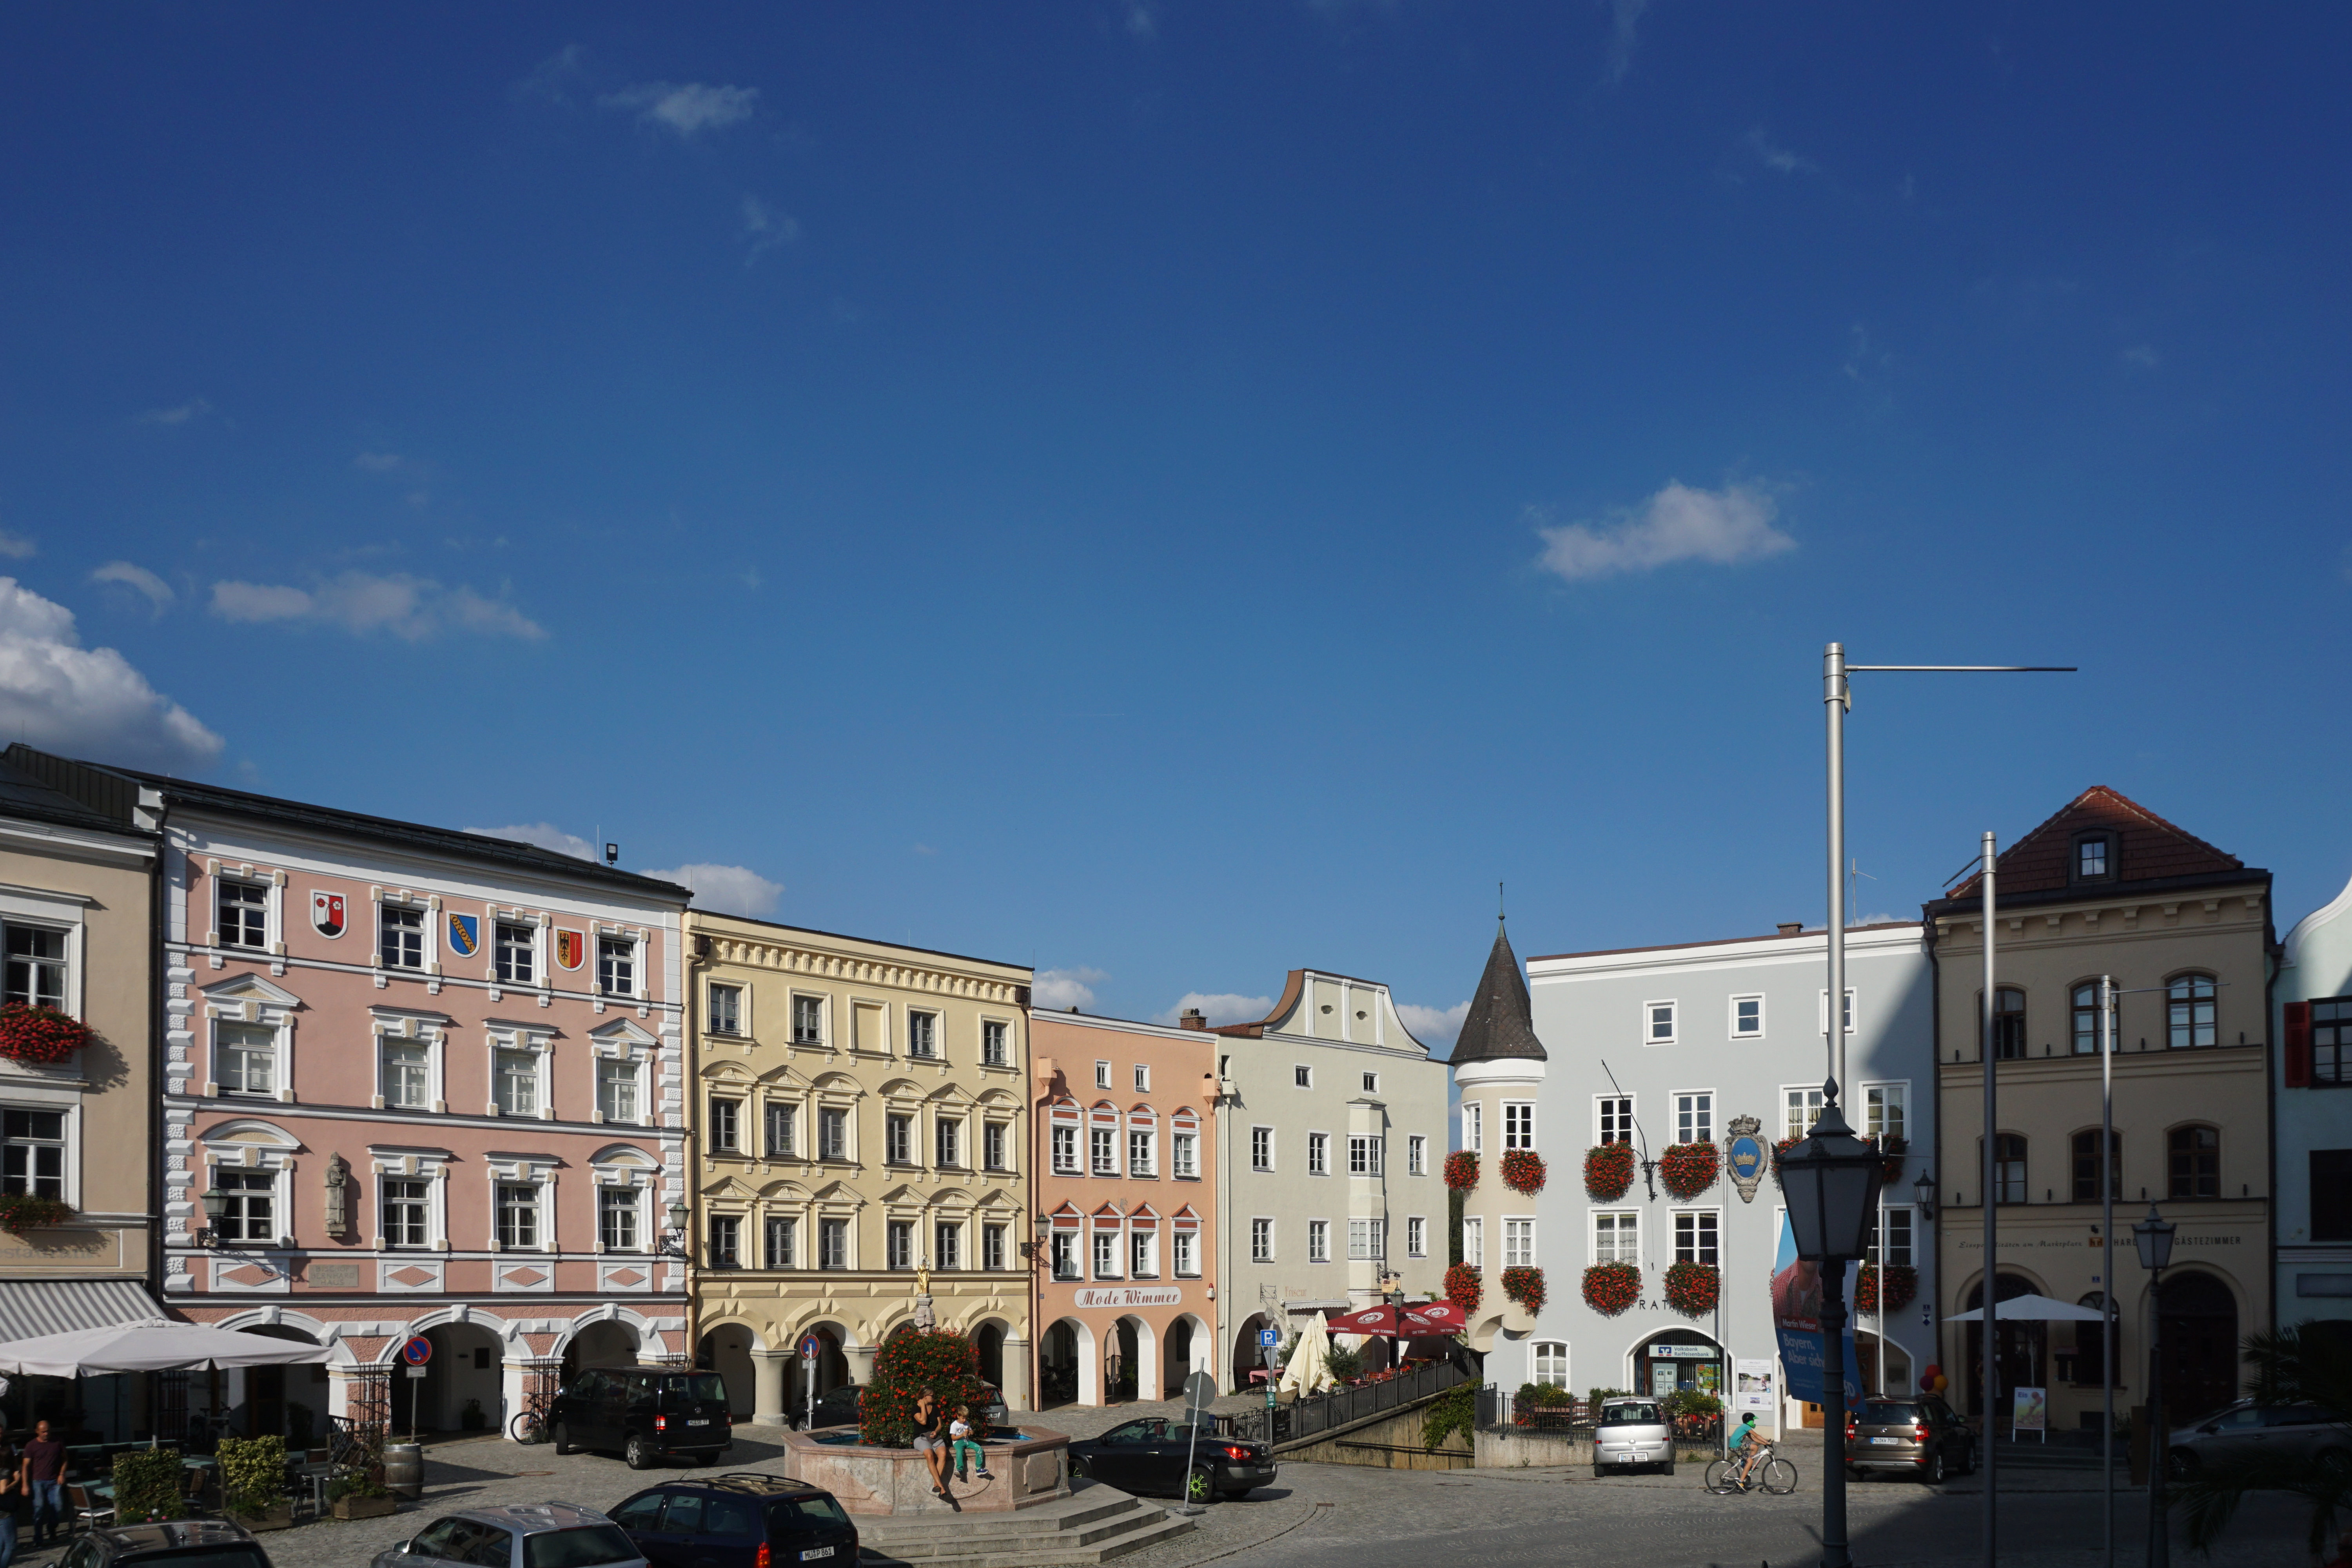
pixel 1498 902
pixel 1853 870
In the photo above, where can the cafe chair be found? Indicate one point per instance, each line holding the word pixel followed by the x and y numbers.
pixel 87 1513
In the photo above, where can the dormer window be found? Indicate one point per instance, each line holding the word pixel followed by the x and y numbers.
pixel 2095 857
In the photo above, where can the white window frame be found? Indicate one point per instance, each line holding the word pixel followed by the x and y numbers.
pixel 1367 1240
pixel 1474 1126
pixel 1062 1139
pixel 787 1112
pixel 432 1167
pixel 263 884
pixel 1416 1154
pixel 1103 1243
pixel 536 1057
pixel 1096 1166
pixel 1910 1214
pixel 1262 1143
pixel 923 1028
pixel 1004 1057
pixel 1102 1075
pixel 1811 1094
pixel 1527 1118
pixel 1731 1022
pixel 829 1225
pixel 1673 1219
pixel 1542 1350
pixel 947 1237
pixel 1416 1235
pixel 785 1227
pixel 1367 1154
pixel 539 1210
pixel 622 1194
pixel 1319 1153
pixel 428 959
pixel 1318 1241
pixel 995 1144
pixel 823 1017
pixel 1519 1242
pixel 536 946
pixel 1184 1247
pixel 1184 1156
pixel 1142 1078
pixel 1261 1239
pixel 733 1027
pixel 1302 1076
pixel 1901 1090
pixel 277 1092
pixel 1678 1097
pixel 1371 1083
pixel 1146 1141
pixel 637 1078
pixel 385 1044
pixel 1674 1022
pixel 1599 1126
pixel 638 989
pixel 992 1249
pixel 417 1029
pixel 1617 1234
pixel 1852 1006
pixel 1143 1252
pixel 1474 1240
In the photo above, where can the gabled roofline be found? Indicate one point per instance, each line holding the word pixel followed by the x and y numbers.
pixel 1799 937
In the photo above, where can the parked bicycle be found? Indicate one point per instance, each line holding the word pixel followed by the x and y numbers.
pixel 530 1424
pixel 1774 1474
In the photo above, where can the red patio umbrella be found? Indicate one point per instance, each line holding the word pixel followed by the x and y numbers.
pixel 1385 1322
pixel 1443 1317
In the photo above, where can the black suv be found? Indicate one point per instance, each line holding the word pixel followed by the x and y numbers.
pixel 189 1543
pixel 648 1413
pixel 737 1521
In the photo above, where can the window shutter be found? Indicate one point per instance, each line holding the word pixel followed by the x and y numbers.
pixel 2298 1044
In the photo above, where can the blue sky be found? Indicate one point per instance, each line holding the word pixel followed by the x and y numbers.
pixel 1171 492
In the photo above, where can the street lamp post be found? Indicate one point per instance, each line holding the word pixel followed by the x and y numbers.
pixel 1832 1180
pixel 2153 1235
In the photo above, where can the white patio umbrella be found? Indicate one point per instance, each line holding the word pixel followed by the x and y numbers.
pixel 2032 1309
pixel 153 1345
pixel 1305 1373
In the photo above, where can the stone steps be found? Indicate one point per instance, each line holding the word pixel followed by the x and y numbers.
pixel 1093 1525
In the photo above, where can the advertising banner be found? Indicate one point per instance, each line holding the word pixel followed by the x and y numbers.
pixel 1755 1392
pixel 1796 1320
pixel 2032 1411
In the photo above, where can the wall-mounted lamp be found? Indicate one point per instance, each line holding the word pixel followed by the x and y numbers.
pixel 672 1241
pixel 216 1204
pixel 611 854
pixel 1924 1186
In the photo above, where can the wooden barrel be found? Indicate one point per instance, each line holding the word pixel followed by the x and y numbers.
pixel 404 1469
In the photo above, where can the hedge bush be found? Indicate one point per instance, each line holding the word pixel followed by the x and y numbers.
pixel 252 1474
pixel 908 1364
pixel 146 1486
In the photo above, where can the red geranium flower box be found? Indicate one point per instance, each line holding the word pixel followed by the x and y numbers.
pixel 1688 1169
pixel 1609 1171
pixel 41 1035
pixel 1525 1286
pixel 1461 1170
pixel 1464 1288
pixel 1523 1171
pixel 1610 1288
pixel 1691 1289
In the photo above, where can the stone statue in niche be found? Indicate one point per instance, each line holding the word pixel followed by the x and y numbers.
pixel 339 1198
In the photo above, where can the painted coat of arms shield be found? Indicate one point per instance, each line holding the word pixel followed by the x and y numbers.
pixel 465 935
pixel 1745 1155
pixel 327 913
pixel 570 949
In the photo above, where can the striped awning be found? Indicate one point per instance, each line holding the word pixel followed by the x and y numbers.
pixel 30 1308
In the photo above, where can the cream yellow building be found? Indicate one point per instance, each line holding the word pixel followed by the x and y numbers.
pixel 860 1144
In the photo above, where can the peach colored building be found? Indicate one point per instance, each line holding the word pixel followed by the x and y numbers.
pixel 415 1082
pixel 1125 1166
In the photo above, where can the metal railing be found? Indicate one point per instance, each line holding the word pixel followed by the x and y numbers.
pixel 1500 1411
pixel 1328 1411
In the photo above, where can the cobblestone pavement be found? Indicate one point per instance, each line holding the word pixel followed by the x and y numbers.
pixel 1331 1516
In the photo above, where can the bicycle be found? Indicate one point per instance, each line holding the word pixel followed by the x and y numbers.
pixel 1774 1474
pixel 530 1425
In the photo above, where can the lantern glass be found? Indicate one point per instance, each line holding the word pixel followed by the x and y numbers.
pixel 2153 1237
pixel 1832 1180
pixel 216 1204
pixel 677 1217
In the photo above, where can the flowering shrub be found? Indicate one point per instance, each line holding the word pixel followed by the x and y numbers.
pixel 21 1212
pixel 1523 1171
pixel 1902 1286
pixel 1610 1288
pixel 908 1364
pixel 1688 1169
pixel 40 1033
pixel 1691 1289
pixel 1525 1286
pixel 1463 1288
pixel 1461 1170
pixel 1609 1171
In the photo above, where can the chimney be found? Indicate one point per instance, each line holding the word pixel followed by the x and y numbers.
pixel 1191 1018
pixel 1792 928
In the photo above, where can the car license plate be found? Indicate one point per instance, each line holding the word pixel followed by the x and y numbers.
pixel 814 1552
pixel 704 1422
pixel 1890 1442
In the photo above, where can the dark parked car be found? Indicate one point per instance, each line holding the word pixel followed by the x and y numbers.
pixel 739 1521
pixel 838 1407
pixel 517 1535
pixel 183 1544
pixel 2296 1431
pixel 1153 1454
pixel 648 1412
pixel 1920 1436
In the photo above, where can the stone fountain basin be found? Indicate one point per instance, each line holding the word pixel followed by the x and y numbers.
pixel 870 1481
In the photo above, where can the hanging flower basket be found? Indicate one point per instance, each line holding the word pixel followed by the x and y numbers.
pixel 1780 1153
pixel 1461 1170
pixel 1691 1289
pixel 1610 1288
pixel 1688 1169
pixel 1902 1288
pixel 21 1212
pixel 1523 1171
pixel 41 1035
pixel 1463 1288
pixel 1525 1286
pixel 1609 1171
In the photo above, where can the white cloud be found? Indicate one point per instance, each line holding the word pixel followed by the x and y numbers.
pixel 729 890
pixel 1141 22
pixel 767 228
pixel 194 408
pixel 687 108
pixel 57 694
pixel 1625 16
pixel 1059 990
pixel 1219 1008
pixel 379 462
pixel 16 547
pixel 1779 158
pixel 1678 523
pixel 546 835
pixel 139 580
pixel 1434 1025
pixel 414 609
pixel 553 79
pixel 2141 356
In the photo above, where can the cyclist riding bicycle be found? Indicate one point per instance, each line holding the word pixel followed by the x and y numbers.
pixel 1748 1445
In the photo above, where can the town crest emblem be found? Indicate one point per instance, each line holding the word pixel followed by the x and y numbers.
pixel 1746 1156
pixel 570 949
pixel 465 935
pixel 327 913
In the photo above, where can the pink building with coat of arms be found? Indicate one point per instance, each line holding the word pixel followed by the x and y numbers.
pixel 417 1082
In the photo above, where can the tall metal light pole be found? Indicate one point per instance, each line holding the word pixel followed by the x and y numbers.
pixel 2107 1257
pixel 2154 1239
pixel 1989 1175
pixel 1837 698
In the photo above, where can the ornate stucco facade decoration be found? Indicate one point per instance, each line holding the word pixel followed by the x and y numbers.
pixel 862 1151
pixel 2106 887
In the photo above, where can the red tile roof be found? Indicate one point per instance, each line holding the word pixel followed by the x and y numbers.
pixel 2146 847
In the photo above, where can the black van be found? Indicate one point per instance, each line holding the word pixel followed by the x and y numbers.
pixel 648 1413
pixel 739 1521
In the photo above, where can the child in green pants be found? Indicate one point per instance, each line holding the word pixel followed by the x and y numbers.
pixel 960 1433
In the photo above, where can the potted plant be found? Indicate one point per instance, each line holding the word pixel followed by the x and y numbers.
pixel 1347 1365
pixel 1523 1171
pixel 471 1417
pixel 1609 1171
pixel 253 1482
pixel 360 1495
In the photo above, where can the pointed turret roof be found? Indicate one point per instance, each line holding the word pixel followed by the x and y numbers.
pixel 1499 1025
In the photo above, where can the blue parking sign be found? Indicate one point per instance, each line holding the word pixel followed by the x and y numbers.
pixel 1269 1338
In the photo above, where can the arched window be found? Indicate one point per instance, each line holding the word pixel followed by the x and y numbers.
pixel 2196 1163
pixel 2085 1016
pixel 2008 1168
pixel 2190 1005
pixel 2008 1024
pixel 2086 1166
pixel 1549 1358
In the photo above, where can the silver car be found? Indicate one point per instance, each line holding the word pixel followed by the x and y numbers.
pixel 1632 1433
pixel 540 1535
pixel 2293 1431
